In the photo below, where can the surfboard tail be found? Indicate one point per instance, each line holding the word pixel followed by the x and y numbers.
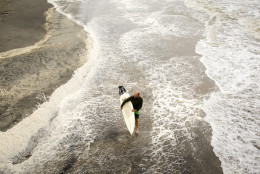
pixel 121 90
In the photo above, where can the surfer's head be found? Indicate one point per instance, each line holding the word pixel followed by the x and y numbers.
pixel 136 94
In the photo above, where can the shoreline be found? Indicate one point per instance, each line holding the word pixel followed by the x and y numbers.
pixel 49 63
pixel 29 75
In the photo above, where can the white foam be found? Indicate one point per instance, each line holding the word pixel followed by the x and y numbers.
pixel 235 131
pixel 15 139
pixel 231 55
pixel 71 127
pixel 132 5
pixel 174 110
pixel 64 99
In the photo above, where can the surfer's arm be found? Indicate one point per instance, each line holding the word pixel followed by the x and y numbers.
pixel 125 101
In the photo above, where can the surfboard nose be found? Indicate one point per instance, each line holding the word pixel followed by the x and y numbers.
pixel 121 90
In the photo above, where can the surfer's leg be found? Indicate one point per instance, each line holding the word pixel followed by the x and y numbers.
pixel 136 125
pixel 136 122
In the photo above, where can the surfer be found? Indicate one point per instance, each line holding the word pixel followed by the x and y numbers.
pixel 137 102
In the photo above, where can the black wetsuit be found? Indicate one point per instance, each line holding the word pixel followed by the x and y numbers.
pixel 137 104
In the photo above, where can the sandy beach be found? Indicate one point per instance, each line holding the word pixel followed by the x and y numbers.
pixel 21 23
pixel 40 50
pixel 194 63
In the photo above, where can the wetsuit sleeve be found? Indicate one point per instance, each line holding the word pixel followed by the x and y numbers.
pixel 126 100
pixel 140 105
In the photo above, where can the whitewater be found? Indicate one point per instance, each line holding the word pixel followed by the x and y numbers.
pixel 231 54
pixel 196 64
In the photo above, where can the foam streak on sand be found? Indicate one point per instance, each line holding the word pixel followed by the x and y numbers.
pixel 19 51
pixel 230 53
pixel 18 140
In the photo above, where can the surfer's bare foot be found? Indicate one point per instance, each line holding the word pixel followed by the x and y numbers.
pixel 136 131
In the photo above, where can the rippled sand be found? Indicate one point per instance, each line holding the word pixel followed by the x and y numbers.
pixel 21 23
pixel 28 75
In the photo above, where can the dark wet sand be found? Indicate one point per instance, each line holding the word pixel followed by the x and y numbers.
pixel 21 22
pixel 27 79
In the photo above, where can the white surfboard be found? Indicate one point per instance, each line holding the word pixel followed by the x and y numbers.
pixel 129 116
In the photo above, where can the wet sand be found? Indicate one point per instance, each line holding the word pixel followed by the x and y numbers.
pixel 51 62
pixel 29 74
pixel 21 22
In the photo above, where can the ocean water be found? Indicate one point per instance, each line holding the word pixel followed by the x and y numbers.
pixel 174 52
pixel 230 53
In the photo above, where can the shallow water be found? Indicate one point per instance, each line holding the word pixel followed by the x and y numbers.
pixel 144 45
pixel 231 55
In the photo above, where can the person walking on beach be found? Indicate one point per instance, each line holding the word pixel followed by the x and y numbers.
pixel 137 102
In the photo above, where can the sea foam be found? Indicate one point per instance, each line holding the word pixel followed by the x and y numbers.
pixel 230 53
